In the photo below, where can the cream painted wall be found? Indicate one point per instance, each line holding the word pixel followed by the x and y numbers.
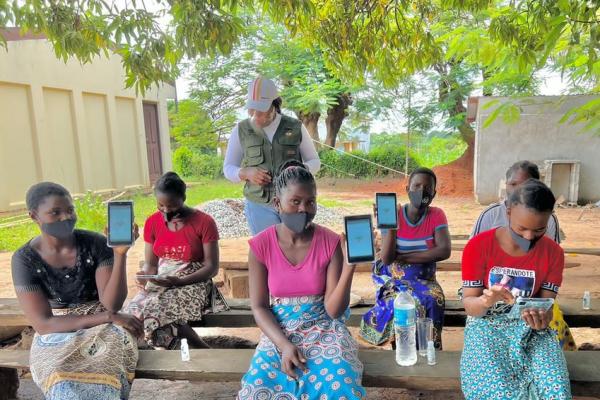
pixel 73 124
pixel 538 135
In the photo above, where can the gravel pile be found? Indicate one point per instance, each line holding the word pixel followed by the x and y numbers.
pixel 231 221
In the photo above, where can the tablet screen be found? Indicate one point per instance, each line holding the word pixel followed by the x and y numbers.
pixel 120 222
pixel 387 216
pixel 360 240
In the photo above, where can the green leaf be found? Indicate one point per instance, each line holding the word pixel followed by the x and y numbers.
pixel 493 116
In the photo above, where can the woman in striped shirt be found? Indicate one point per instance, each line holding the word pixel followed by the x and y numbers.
pixel 408 260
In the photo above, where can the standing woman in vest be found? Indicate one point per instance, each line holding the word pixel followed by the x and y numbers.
pixel 259 146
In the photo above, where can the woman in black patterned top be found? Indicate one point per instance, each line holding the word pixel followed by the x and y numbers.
pixel 71 286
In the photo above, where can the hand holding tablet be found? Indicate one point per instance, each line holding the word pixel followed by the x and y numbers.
pixel 359 238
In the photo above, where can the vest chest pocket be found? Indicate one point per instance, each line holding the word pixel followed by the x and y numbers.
pixel 254 155
pixel 290 144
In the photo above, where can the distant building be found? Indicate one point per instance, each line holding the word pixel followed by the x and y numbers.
pixel 569 159
pixel 75 124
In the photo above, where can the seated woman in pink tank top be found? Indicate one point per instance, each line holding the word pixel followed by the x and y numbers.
pixel 300 290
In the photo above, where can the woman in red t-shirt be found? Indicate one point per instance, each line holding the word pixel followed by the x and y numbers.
pixel 182 247
pixel 504 357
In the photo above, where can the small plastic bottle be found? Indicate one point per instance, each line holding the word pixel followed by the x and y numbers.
pixel 587 300
pixel 185 350
pixel 431 353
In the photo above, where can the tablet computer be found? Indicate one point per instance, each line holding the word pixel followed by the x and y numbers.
pixel 120 223
pixel 387 210
pixel 359 238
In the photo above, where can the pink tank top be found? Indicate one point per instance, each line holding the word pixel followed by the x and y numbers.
pixel 308 278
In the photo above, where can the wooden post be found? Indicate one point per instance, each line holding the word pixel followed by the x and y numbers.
pixel 236 282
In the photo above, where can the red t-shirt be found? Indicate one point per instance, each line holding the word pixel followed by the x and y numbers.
pixel 185 244
pixel 485 264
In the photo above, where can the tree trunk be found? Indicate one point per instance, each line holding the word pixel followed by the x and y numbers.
pixel 311 121
pixel 448 91
pixel 335 117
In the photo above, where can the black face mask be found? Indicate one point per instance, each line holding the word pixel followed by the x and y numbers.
pixel 296 222
pixel 59 229
pixel 420 198
pixel 169 216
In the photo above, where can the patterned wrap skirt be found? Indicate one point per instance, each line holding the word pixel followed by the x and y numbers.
pixel 162 308
pixel 334 370
pixel 95 363
pixel 503 358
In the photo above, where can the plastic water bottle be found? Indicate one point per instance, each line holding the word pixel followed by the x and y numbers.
pixel 405 329
pixel 185 350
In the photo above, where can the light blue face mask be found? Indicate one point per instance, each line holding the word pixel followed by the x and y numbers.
pixel 525 244
pixel 296 222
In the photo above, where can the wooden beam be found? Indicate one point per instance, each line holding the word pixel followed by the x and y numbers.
pixel 582 251
pixel 237 280
pixel 454 314
pixel 236 283
pixel 442 266
pixel 568 250
pixel 460 237
pixel 240 315
pixel 380 368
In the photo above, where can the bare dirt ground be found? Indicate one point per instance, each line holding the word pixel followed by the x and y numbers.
pixel 581 226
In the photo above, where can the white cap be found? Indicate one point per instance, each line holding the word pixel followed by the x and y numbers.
pixel 261 93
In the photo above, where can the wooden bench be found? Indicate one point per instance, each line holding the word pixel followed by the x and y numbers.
pixel 584 251
pixel 235 274
pixel 380 368
pixel 240 315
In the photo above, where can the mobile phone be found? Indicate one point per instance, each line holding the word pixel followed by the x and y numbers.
pixel 387 210
pixel 120 223
pixel 522 303
pixel 359 238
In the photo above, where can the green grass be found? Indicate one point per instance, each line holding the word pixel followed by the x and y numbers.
pixel 335 203
pixel 332 203
pixel 91 211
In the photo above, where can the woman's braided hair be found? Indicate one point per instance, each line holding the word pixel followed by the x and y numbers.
pixel 292 172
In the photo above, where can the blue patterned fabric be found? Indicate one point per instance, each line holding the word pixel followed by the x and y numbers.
pixel 419 279
pixel 334 370
pixel 504 358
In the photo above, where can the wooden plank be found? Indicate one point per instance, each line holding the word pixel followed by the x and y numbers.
pixel 240 315
pixel 442 266
pixel 582 251
pixel 454 315
pixel 11 313
pixel 361 267
pixel 567 250
pixel 460 237
pixel 380 368
pixel 236 283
